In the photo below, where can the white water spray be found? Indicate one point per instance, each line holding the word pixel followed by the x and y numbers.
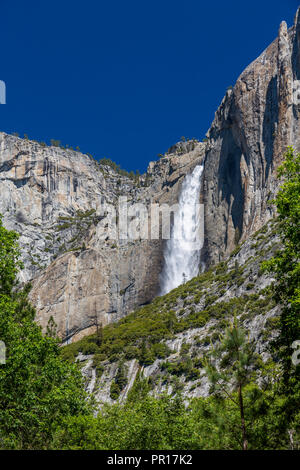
pixel 182 251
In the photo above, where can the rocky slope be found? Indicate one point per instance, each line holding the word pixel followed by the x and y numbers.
pixel 166 341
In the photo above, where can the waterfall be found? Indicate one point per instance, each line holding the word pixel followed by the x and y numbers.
pixel 182 250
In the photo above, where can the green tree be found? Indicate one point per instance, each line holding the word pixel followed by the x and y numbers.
pixel 37 388
pixel 145 423
pixel 51 330
pixel 229 368
pixel 119 382
pixel 99 331
pixel 146 355
pixel 121 377
pixel 285 266
pixel 9 259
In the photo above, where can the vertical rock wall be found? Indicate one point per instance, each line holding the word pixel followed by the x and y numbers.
pixel 253 126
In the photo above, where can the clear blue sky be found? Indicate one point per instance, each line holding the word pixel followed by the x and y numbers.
pixel 126 79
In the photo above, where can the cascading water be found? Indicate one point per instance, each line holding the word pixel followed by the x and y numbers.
pixel 182 251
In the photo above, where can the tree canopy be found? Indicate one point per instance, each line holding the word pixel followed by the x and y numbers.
pixel 37 388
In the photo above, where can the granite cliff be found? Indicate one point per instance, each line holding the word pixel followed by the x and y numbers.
pixel 257 119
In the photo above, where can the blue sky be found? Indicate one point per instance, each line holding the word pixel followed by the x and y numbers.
pixel 126 79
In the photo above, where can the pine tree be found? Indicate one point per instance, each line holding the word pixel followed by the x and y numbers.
pixel 146 356
pixel 229 368
pixel 99 331
pixel 51 330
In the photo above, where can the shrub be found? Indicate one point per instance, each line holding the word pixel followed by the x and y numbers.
pixel 131 352
pixel 184 348
pixel 89 348
pixel 114 390
pixel 161 350
pixel 97 361
pixel 250 285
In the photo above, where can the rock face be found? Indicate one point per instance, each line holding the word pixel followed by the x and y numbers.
pixel 253 126
pixel 57 199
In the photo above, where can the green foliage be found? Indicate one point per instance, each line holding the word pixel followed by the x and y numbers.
pixel 80 221
pixel 108 162
pixel 114 390
pixel 140 389
pixel 285 265
pixel 9 259
pixel 184 348
pixel 98 360
pixel 37 388
pixel 121 377
pixel 148 423
pixel 89 348
pixel 250 285
pixel 146 355
pixel 131 352
pixel 182 366
pixel 119 382
pixel 51 330
pixel 229 367
pixel 55 143
pixel 145 424
pixel 129 335
pixel 160 350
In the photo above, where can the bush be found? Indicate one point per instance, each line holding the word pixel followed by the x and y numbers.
pixel 97 361
pixel 250 285
pixel 131 352
pixel 89 348
pixel 114 390
pixel 161 350
pixel 193 374
pixel 184 348
pixel 121 377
